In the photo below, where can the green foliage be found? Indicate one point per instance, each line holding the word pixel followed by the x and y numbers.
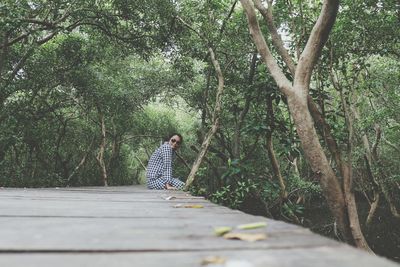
pixel 136 65
pixel 233 195
pixel 307 189
pixel 291 209
pixel 51 112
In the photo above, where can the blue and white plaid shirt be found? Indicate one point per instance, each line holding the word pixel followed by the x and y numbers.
pixel 160 163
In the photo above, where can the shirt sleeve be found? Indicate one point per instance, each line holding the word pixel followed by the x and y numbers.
pixel 166 154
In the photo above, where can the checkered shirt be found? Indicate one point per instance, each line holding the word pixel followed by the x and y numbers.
pixel 160 164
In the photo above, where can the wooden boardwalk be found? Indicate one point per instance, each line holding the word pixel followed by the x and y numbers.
pixel 133 226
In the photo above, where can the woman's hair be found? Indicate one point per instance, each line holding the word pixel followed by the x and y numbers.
pixel 170 136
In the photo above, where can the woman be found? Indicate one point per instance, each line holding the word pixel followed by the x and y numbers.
pixel 159 169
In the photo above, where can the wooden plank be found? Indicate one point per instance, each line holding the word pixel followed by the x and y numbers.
pixel 341 256
pixel 135 235
pixel 133 226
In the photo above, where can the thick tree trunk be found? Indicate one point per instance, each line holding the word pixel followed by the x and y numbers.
pixel 297 93
pixel 319 163
pixel 325 131
pixel 345 172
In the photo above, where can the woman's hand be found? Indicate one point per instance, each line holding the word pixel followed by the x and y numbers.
pixel 170 187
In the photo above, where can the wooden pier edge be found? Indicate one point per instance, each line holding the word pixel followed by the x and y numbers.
pixel 133 226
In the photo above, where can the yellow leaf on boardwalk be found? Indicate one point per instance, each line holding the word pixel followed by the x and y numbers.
pixel 213 260
pixel 195 206
pixel 250 226
pixel 219 231
pixel 246 236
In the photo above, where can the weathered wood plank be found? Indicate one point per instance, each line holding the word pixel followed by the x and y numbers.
pixel 133 226
pixel 342 256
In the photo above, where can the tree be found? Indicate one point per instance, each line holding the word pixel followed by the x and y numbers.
pixel 342 204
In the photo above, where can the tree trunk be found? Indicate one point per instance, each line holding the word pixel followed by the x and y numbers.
pixel 102 146
pixel 319 163
pixel 326 133
pixel 81 162
pixel 275 167
pixel 215 125
pixel 372 209
pixel 348 180
pixel 297 93
pixel 372 158
pixel 4 52
pixel 270 148
pixel 355 227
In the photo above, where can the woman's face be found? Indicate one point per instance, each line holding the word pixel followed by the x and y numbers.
pixel 175 142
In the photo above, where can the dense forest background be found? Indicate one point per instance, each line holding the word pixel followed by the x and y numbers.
pixel 89 88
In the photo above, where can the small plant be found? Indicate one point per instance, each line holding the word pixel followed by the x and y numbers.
pixel 291 209
pixel 233 195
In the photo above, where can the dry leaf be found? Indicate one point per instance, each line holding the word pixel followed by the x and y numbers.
pixel 219 231
pixel 246 236
pixel 170 198
pixel 213 260
pixel 195 206
pixel 250 226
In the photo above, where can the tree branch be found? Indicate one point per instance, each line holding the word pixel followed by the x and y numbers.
pixel 262 47
pixel 319 36
pixel 276 38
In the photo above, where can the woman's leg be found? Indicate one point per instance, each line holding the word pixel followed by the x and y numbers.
pixel 157 183
pixel 177 183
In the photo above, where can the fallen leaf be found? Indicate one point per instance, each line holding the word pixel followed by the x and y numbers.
pixel 246 236
pixel 219 231
pixel 213 260
pixel 170 198
pixel 195 197
pixel 250 226
pixel 195 206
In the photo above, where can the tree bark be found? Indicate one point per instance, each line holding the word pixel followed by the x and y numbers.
pixel 81 162
pixel 319 163
pixel 102 146
pixel 352 210
pixel 4 52
pixel 326 133
pixel 270 149
pixel 215 119
pixel 355 227
pixel 372 210
pixel 297 93
pixel 275 37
